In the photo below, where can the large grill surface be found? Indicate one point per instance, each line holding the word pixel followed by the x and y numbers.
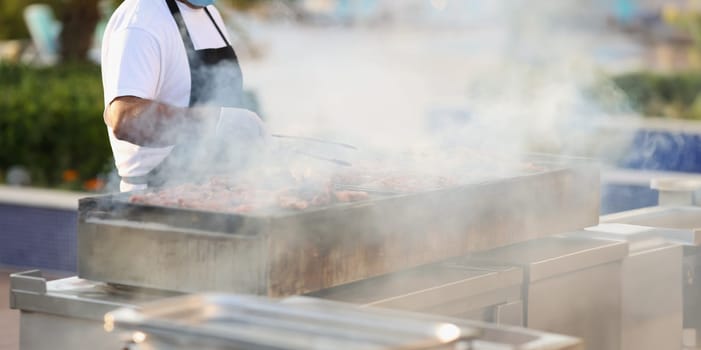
pixel 285 253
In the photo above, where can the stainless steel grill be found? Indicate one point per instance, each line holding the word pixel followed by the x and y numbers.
pixel 298 252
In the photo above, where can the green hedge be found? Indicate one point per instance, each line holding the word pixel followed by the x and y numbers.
pixel 675 95
pixel 51 122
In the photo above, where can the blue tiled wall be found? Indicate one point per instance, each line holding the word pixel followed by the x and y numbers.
pixel 37 237
pixel 664 150
pixel 619 197
pixel 656 150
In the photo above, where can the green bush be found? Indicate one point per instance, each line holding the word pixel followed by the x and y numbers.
pixel 676 95
pixel 51 122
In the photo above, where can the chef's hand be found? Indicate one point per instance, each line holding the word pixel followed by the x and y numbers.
pixel 241 126
pixel 240 137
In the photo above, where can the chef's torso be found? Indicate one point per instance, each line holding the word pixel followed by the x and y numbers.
pixel 143 55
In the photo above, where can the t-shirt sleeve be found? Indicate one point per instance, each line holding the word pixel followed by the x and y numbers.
pixel 132 65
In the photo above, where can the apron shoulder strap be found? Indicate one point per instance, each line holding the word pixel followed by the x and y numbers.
pixel 216 26
pixel 175 11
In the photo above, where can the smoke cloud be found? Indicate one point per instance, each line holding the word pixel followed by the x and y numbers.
pixel 508 76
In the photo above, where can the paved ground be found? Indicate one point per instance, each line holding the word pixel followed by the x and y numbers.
pixel 9 319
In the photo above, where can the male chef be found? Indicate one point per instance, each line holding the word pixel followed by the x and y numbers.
pixel 172 83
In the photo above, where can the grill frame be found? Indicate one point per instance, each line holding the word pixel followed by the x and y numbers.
pixel 291 253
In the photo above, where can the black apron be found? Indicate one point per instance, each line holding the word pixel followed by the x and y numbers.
pixel 216 81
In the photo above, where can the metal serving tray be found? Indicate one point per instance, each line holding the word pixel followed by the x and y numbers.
pixel 288 253
pixel 218 321
pixel 681 224
pixel 213 321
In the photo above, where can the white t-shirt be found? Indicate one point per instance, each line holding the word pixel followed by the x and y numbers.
pixel 143 55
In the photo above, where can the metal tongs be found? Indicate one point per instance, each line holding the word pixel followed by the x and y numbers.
pixel 318 141
pixel 366 189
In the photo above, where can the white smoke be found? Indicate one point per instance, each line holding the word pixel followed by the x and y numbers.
pixel 509 75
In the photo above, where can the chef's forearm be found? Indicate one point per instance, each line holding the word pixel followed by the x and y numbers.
pixel 150 123
pixel 139 121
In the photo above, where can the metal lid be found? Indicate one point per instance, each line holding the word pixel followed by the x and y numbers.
pixel 547 257
pixel 676 184
pixel 639 238
pixel 682 224
pixel 298 323
pixel 427 287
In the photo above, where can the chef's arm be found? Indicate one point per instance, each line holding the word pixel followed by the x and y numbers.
pixel 150 123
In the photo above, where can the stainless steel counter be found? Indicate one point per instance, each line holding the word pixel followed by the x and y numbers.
pixel 572 285
pixel 67 314
pixel 651 286
pixel 680 225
